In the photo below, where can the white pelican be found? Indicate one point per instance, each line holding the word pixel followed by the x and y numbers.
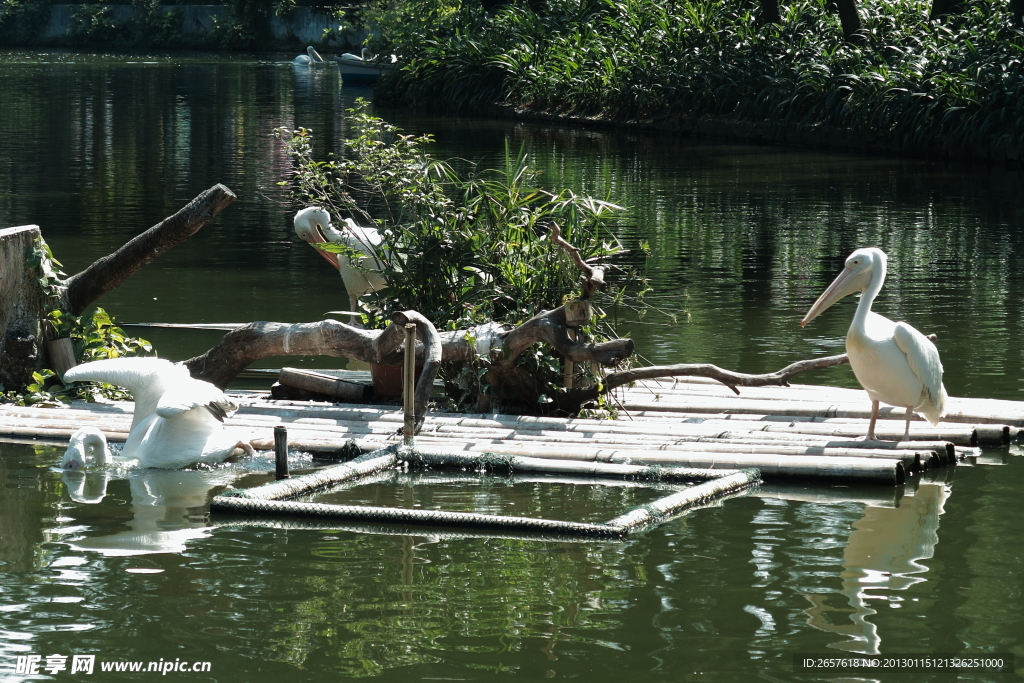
pixel 178 420
pixel 311 58
pixel 361 277
pixel 894 363
pixel 87 444
pixel 365 55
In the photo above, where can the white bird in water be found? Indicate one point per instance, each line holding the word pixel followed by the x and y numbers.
pixel 311 58
pixel 894 362
pixel 360 277
pixel 177 421
pixel 88 447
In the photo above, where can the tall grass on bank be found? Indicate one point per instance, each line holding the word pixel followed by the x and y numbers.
pixel 960 79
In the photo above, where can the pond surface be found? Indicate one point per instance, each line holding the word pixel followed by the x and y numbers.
pixel 97 148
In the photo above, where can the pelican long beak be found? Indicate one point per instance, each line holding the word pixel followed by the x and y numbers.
pixel 321 239
pixel 846 283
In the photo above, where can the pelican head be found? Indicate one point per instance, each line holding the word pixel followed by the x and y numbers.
pixel 86 444
pixel 863 268
pixel 313 225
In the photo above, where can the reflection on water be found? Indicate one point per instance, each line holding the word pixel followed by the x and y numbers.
pixel 169 507
pixel 733 590
pixel 882 557
pixel 98 147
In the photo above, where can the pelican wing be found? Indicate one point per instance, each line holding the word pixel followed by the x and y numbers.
pixel 923 358
pixel 193 394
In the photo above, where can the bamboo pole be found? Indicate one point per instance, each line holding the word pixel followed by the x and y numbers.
pixel 447 458
pixel 644 515
pixel 408 382
pixel 443 518
pixel 328 476
pixel 873 470
pixel 828 402
pixel 753 442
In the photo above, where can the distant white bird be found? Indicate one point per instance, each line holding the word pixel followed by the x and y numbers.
pixel 361 277
pixel 894 363
pixel 311 58
pixel 364 55
pixel 177 421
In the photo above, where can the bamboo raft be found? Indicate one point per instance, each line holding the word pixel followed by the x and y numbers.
pixel 799 432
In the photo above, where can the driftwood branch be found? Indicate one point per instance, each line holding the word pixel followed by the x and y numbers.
pixel 109 272
pixel 551 327
pixel 729 378
pixel 592 276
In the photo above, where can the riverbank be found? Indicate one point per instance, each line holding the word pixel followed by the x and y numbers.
pixel 997 151
pixel 951 88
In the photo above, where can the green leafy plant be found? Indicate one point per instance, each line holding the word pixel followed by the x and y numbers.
pixel 479 238
pixel 94 336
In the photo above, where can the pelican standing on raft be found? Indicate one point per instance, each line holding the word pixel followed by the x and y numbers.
pixel 178 420
pixel 361 277
pixel 894 362
pixel 311 58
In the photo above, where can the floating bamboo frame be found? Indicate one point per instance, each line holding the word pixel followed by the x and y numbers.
pixel 266 500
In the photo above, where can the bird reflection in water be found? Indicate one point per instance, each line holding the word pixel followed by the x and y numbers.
pixel 168 508
pixel 885 554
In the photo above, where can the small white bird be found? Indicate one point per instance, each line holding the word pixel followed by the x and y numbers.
pixel 361 276
pixel 177 421
pixel 311 58
pixel 894 363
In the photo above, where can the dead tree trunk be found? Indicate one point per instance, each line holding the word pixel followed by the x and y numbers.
pixel 21 307
pixel 109 272
pixel 240 348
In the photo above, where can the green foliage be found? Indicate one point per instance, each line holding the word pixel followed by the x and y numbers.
pixel 94 336
pixel 21 20
pixel 960 78
pixel 95 24
pixel 462 249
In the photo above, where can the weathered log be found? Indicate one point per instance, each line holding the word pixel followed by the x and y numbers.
pixel 21 307
pixel 324 384
pixel 243 346
pixel 109 272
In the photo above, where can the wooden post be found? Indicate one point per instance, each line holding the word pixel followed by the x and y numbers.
pixel 21 308
pixel 281 452
pixel 409 383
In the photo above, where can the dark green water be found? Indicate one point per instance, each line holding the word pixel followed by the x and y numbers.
pixel 96 148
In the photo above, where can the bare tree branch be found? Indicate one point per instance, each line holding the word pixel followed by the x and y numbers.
pixel 109 272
